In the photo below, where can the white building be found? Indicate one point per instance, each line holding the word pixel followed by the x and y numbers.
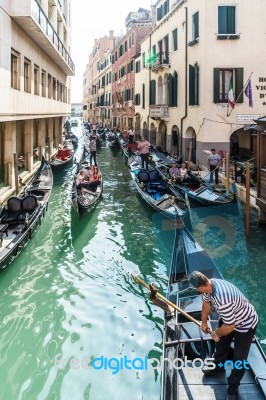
pixel 35 70
pixel 196 48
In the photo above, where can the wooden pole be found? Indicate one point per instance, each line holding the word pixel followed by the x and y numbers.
pixel 189 155
pixel 247 198
pixel 16 171
pixel 49 148
pixel 227 173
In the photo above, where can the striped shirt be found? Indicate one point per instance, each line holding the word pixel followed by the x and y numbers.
pixel 232 305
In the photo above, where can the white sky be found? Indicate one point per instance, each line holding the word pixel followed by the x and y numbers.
pixel 92 19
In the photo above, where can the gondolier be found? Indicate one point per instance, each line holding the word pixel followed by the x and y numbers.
pixel 238 320
pixel 144 147
pixel 214 161
pixel 92 147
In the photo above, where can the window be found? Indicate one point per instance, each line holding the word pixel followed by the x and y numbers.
pixel 137 99
pixel 15 69
pixel 226 20
pixel 195 26
pixel 143 95
pixel 50 86
pixel 137 66
pixel 174 36
pixel 125 45
pixel 222 77
pixel 143 60
pixel 54 88
pixel 27 77
pixel 36 79
pixel 152 92
pixel 194 85
pixel 132 40
pixel 173 89
pixel 43 83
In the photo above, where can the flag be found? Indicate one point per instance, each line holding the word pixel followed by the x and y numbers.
pixel 231 97
pixel 248 93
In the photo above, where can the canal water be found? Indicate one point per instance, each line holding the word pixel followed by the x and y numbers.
pixel 69 304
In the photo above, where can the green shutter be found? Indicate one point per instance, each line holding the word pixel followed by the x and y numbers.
pixel 216 85
pixel 231 19
pixel 239 84
pixel 152 92
pixel 191 85
pixel 170 90
pixel 196 25
pixel 175 89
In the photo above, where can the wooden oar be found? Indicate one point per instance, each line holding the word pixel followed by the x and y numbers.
pixel 140 282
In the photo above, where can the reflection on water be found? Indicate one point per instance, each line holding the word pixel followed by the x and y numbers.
pixel 70 295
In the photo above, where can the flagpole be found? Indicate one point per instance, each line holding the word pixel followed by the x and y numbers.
pixel 244 87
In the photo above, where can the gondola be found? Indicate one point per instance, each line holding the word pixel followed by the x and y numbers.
pixel 195 188
pixel 85 198
pixel 112 140
pixel 74 139
pixel 63 155
pixel 22 214
pixel 156 193
pixel 184 341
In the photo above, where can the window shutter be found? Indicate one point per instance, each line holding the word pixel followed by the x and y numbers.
pixel 216 86
pixel 231 19
pixel 170 90
pixel 196 25
pixel 143 95
pixel 191 86
pixel 152 92
pixel 239 84
pixel 175 89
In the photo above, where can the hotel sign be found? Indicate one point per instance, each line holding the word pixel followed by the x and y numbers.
pixel 246 118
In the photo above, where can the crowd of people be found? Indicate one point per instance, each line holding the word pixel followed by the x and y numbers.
pixel 88 177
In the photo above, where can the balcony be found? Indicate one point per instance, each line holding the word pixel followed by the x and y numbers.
pixel 157 61
pixel 32 19
pixel 159 111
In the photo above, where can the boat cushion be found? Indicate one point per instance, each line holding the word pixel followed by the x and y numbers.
pixel 154 176
pixel 29 203
pixel 143 176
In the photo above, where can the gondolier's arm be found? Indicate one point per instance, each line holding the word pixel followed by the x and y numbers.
pixel 205 312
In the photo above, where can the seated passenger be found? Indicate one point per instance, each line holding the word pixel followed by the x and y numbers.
pixel 85 172
pixel 95 179
pixel 174 172
pixel 81 181
pixel 183 173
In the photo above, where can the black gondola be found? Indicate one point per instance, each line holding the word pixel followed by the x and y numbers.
pixel 63 155
pixel 23 213
pixel 85 197
pixel 194 187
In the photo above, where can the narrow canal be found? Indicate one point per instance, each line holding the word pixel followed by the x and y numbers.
pixel 69 294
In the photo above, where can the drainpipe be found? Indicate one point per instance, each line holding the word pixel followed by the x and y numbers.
pixel 149 86
pixel 186 83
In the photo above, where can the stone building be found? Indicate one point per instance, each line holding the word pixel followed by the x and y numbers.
pixel 195 52
pixel 35 70
pixel 92 77
pixel 138 25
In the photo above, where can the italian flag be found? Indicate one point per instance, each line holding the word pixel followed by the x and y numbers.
pixel 231 97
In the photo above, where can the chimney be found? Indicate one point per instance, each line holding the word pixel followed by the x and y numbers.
pixel 111 34
pixel 153 15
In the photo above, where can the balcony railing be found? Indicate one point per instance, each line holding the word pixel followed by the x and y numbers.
pixel 39 15
pixel 159 60
pixel 159 111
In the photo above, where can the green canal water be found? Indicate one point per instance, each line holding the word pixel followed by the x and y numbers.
pixel 69 294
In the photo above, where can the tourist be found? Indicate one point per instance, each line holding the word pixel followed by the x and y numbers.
pixel 174 172
pixel 238 321
pixel 131 134
pixel 183 173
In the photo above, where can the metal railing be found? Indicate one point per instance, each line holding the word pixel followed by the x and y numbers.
pixel 157 60
pixel 39 15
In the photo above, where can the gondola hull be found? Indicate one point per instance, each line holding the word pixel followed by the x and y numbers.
pixel 32 204
pixel 158 196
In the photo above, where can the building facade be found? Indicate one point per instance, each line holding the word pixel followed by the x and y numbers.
pixel 92 77
pixel 138 25
pixel 35 83
pixel 195 53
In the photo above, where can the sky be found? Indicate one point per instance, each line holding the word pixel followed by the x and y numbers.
pixel 92 19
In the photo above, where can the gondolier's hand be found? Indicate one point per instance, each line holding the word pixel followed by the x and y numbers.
pixel 205 328
pixel 215 337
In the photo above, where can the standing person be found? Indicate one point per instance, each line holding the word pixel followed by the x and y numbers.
pixel 234 143
pixel 214 161
pixel 94 128
pixel 144 147
pixel 239 320
pixel 131 134
pixel 92 147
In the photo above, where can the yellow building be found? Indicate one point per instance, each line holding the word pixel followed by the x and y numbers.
pixel 196 50
pixel 34 81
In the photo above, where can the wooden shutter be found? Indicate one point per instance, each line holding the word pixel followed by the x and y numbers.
pixel 216 85
pixel 191 85
pixel 239 84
